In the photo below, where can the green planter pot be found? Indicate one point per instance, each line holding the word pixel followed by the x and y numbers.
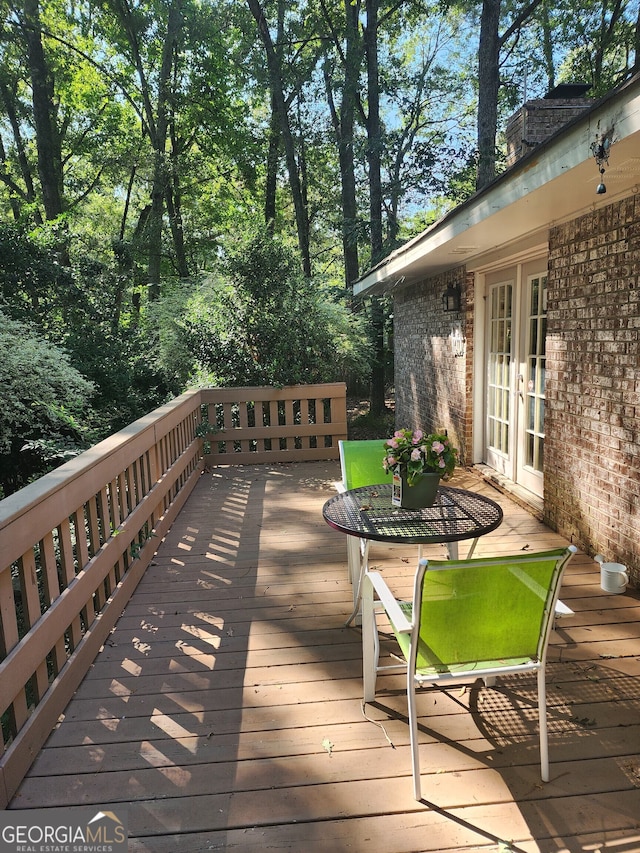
pixel 421 494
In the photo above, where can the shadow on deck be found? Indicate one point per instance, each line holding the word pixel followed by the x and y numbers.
pixel 225 708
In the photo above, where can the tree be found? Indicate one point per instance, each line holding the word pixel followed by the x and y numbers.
pixel 600 45
pixel 137 140
pixel 47 136
pixel 44 404
pixel 343 120
pixel 279 103
pixel 490 46
pixel 258 321
pixel 156 99
pixel 488 85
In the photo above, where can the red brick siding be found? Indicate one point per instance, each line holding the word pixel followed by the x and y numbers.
pixel 592 426
pixel 433 385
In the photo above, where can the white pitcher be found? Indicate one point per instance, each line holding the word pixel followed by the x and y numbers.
pixel 613 576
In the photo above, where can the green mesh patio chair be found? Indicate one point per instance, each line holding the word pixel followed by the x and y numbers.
pixel 361 465
pixel 473 619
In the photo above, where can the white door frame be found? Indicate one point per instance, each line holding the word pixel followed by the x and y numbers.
pixel 516 268
pixel 530 377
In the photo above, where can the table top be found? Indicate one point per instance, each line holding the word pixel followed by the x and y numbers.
pixel 367 512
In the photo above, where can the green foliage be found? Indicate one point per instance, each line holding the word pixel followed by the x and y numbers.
pixel 44 405
pixel 32 280
pixel 258 322
pixel 127 383
pixel 76 313
pixel 597 46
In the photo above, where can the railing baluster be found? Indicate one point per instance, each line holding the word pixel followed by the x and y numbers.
pixel 93 526
pixel 8 613
pixel 32 611
pixel 304 420
pixel 296 423
pixel 29 589
pixel 51 583
pixel 67 566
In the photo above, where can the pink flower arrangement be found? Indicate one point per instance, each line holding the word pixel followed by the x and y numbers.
pixel 413 453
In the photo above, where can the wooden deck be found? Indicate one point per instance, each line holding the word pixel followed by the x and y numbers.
pixel 225 709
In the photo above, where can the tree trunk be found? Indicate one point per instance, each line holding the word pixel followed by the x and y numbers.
pixel 488 83
pixel 174 206
pixel 161 181
pixel 157 126
pixel 275 78
pixel 354 53
pixel 16 194
pixel 489 49
pixel 271 180
pixel 374 141
pixel 174 211
pixel 275 137
pixel 44 114
pixel 374 147
pixel 343 125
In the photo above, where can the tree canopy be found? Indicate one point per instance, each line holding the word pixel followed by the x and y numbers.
pixel 148 146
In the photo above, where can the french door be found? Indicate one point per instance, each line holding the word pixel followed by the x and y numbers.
pixel 516 319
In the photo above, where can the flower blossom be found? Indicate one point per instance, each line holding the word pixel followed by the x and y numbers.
pixel 411 453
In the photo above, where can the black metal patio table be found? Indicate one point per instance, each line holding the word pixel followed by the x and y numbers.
pixel 367 512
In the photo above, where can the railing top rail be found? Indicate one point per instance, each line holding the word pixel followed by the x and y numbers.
pixel 287 392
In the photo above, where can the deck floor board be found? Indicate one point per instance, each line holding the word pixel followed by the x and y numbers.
pixel 225 708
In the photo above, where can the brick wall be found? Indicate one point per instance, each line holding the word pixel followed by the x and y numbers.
pixel 433 358
pixel 592 426
pixel 537 120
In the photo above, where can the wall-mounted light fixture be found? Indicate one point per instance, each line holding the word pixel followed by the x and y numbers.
pixel 600 150
pixel 451 298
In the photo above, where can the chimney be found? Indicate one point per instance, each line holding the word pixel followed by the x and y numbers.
pixel 539 119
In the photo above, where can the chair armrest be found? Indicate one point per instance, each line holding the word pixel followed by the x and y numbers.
pixel 390 603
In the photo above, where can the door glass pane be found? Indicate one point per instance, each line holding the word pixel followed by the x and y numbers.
pixel 499 368
pixel 535 348
pixel 535 292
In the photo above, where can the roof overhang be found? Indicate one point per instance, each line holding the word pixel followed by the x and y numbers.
pixel 553 184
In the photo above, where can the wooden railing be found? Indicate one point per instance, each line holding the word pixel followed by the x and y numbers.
pixel 252 425
pixel 75 543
